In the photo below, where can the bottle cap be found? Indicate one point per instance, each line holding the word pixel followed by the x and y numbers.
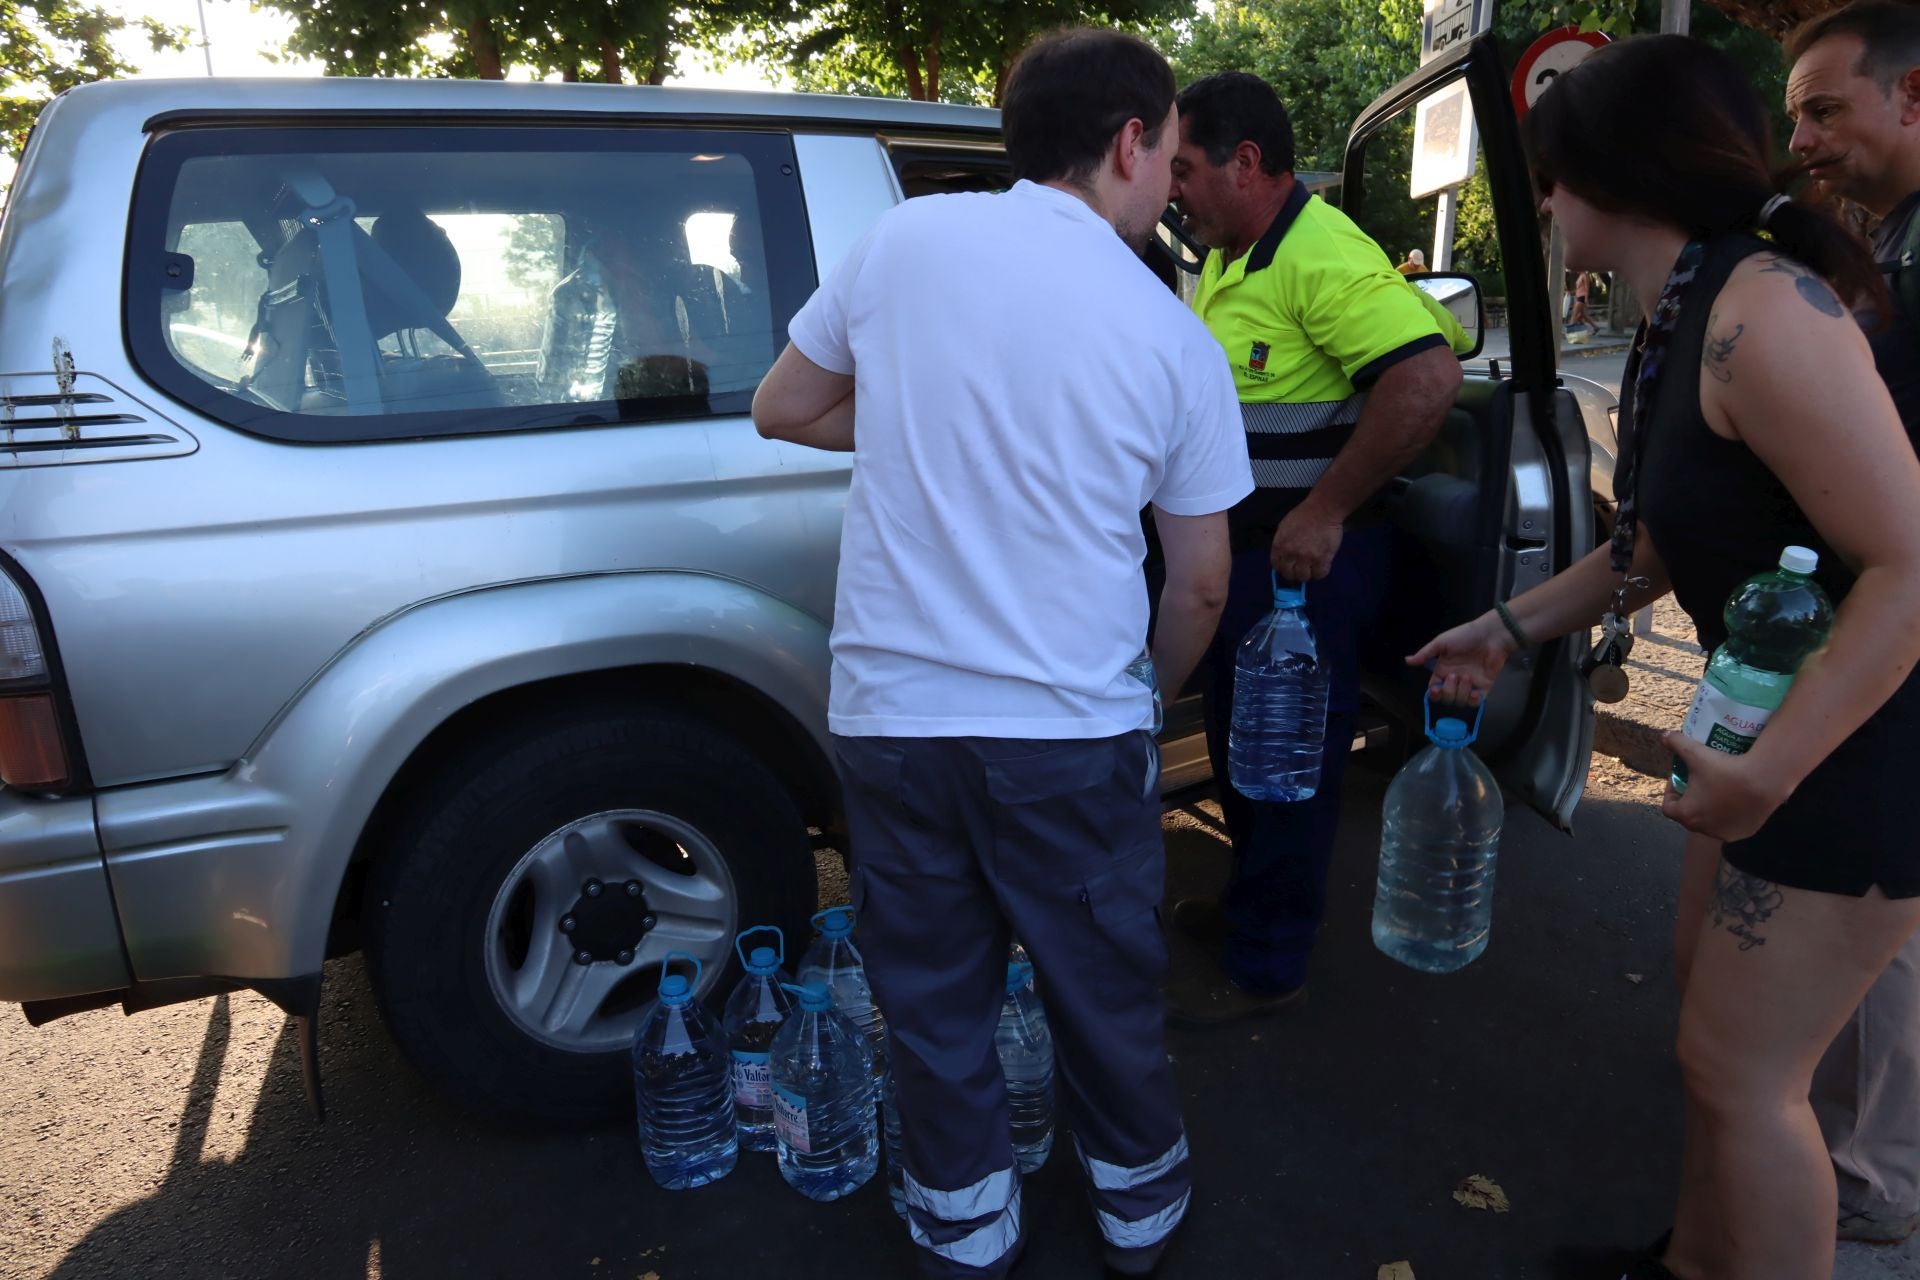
pixel 675 990
pixel 764 960
pixel 1289 597
pixel 1019 974
pixel 1449 734
pixel 814 998
pixel 1799 560
pixel 834 922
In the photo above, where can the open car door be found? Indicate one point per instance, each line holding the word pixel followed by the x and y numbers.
pixel 1500 502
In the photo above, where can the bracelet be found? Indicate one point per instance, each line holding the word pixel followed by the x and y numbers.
pixel 1513 625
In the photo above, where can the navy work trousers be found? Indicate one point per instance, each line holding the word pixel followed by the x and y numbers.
pixel 1281 852
pixel 958 844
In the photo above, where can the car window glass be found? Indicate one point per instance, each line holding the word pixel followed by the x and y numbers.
pixel 392 281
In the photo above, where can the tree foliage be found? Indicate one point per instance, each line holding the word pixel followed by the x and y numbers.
pixel 925 49
pixel 50 46
pixel 615 41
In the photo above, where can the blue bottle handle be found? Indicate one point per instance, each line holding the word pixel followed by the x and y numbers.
pixel 744 934
pixel 818 916
pixel 698 968
pixel 1301 587
pixel 1426 706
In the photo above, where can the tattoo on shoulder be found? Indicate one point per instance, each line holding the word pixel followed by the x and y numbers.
pixel 1718 349
pixel 1817 293
pixel 1742 904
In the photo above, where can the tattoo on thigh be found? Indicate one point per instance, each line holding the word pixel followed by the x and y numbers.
pixel 1718 350
pixel 1815 291
pixel 1742 903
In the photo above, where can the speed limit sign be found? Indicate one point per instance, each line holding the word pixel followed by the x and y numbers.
pixel 1547 59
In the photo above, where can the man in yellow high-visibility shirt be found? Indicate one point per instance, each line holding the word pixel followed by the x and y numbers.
pixel 1311 313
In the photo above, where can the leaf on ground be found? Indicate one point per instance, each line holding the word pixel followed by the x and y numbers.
pixel 1477 1191
pixel 1395 1271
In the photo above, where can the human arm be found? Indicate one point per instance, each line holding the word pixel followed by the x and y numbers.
pixel 1403 413
pixel 1197 561
pixel 1467 659
pixel 1790 375
pixel 803 403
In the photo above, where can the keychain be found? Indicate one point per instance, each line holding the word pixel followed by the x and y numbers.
pixel 1605 674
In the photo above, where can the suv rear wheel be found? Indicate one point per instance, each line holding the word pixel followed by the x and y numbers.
pixel 517 918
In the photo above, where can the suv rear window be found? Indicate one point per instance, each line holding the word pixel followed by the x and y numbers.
pixel 346 284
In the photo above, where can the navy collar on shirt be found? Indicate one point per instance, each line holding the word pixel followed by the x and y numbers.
pixel 1260 257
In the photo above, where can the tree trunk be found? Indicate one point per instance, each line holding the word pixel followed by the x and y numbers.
pixel 570 74
pixel 910 62
pixel 933 64
pixel 662 58
pixel 484 49
pixel 1000 74
pixel 609 61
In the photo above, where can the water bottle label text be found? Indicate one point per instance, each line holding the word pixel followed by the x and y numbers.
pixel 752 1079
pixel 1722 723
pixel 790 1121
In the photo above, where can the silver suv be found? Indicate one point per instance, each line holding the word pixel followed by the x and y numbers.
pixel 389 562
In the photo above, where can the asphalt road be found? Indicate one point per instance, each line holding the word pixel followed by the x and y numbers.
pixel 1327 1142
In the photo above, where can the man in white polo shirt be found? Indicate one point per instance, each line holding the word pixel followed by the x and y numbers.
pixel 1016 385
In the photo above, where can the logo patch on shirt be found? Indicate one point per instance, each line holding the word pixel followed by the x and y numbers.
pixel 1257 358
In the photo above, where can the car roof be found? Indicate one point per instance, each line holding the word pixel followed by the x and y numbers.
pixel 166 101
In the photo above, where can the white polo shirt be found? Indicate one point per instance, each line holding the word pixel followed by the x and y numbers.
pixel 1024 385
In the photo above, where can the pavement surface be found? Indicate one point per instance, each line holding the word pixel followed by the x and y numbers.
pixel 1328 1142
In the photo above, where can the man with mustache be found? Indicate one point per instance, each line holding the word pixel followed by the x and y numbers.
pixel 1854 96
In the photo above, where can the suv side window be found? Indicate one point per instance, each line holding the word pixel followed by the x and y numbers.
pixel 350 284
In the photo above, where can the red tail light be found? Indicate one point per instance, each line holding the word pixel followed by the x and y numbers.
pixel 33 753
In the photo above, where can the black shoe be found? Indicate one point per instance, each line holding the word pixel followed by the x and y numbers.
pixel 1135 1263
pixel 1203 920
pixel 1212 999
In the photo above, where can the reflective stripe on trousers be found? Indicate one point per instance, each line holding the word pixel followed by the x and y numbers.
pixel 1139 1205
pixel 979 1246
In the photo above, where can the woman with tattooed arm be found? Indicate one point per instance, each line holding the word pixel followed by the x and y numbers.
pixel 1752 419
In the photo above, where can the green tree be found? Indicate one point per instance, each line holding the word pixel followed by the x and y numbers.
pixel 49 47
pixel 931 50
pixel 615 41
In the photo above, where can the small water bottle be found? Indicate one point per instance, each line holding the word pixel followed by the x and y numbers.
pixel 754 1012
pixel 824 1117
pixel 1279 727
pixel 1440 837
pixel 683 1088
pixel 833 961
pixel 1775 621
pixel 1141 669
pixel 1026 1059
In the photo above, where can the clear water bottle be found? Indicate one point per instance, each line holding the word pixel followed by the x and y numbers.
pixel 1026 1059
pixel 1141 669
pixel 1279 724
pixel 823 1099
pixel 754 1012
pixel 1440 837
pixel 683 1088
pixel 1774 623
pixel 833 961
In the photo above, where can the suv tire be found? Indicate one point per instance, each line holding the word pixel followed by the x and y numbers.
pixel 433 910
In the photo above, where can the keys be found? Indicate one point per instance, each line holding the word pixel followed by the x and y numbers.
pixel 1606 675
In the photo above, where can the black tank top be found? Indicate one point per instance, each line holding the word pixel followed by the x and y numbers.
pixel 1717 515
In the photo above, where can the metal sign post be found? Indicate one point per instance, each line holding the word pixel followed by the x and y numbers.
pixel 1446 137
